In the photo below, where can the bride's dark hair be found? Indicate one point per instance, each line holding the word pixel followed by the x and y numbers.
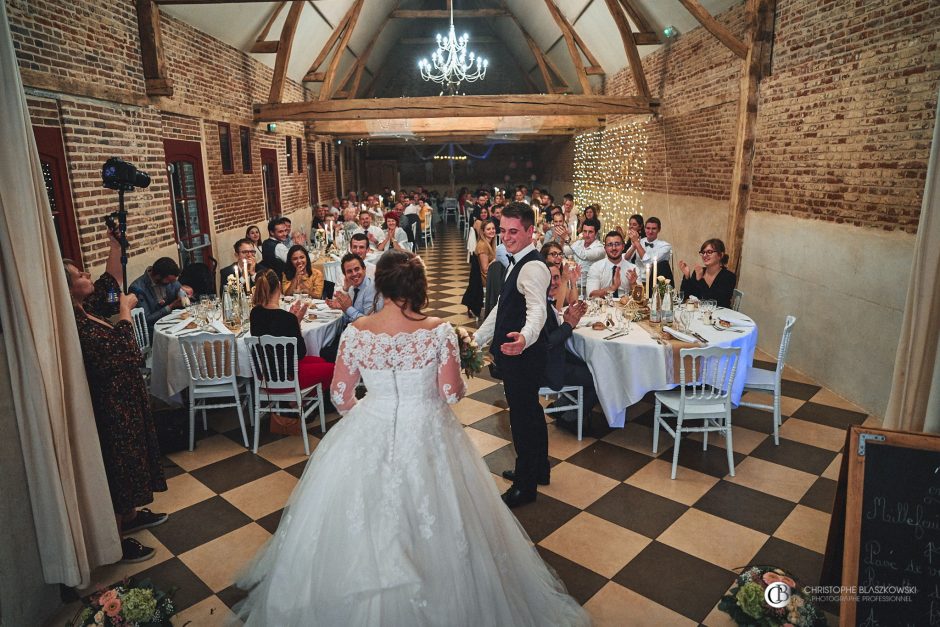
pixel 400 277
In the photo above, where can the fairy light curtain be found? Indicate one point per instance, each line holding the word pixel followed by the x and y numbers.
pixel 609 166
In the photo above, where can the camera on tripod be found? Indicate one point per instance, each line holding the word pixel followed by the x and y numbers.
pixel 122 176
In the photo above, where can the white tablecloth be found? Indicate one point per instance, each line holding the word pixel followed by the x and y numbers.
pixel 168 372
pixel 625 369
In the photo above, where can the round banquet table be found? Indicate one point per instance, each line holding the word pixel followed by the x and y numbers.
pixel 168 376
pixel 626 368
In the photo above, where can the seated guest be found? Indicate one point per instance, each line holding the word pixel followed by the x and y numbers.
pixel 350 214
pixel 158 290
pixel 588 250
pixel 711 281
pixel 651 247
pixel 267 318
pixel 395 236
pixel 245 257
pixel 481 220
pixel 319 218
pixel 613 275
pixel 634 226
pixel 274 249
pixel 479 265
pixel 558 230
pixel 253 234
pixel 590 213
pixel 373 233
pixel 425 213
pixel 119 399
pixel 411 213
pixel 358 297
pixel 301 277
pixel 561 366
pixel 359 246
pixel 553 255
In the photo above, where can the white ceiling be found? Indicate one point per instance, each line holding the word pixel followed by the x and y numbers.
pixel 238 24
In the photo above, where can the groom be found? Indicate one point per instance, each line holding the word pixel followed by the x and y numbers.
pixel 519 350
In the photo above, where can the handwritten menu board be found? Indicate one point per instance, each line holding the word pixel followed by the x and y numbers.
pixel 891 565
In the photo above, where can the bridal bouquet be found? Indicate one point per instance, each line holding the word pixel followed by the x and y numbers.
pixel 471 356
pixel 750 603
pixel 127 605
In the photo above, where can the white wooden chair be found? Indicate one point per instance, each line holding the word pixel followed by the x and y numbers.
pixel 142 333
pixel 427 231
pixel 210 363
pixel 736 300
pixel 450 209
pixel 573 395
pixel 704 394
pixel 277 386
pixel 760 380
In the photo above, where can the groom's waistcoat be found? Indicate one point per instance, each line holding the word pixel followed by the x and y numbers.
pixel 510 313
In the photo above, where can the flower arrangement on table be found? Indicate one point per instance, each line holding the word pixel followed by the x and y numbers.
pixel 140 605
pixel 471 356
pixel 662 286
pixel 746 603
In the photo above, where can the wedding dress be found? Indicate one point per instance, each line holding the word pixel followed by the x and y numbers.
pixel 396 520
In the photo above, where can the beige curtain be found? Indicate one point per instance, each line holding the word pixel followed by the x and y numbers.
pixel 915 392
pixel 67 486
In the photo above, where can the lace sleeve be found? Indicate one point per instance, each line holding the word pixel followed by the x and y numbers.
pixel 346 374
pixel 450 382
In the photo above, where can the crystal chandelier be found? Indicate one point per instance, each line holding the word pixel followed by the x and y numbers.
pixel 450 64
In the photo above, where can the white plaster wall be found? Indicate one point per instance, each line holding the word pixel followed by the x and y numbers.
pixel 687 222
pixel 846 286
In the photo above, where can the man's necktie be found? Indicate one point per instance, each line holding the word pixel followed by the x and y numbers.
pixel 355 295
pixel 613 273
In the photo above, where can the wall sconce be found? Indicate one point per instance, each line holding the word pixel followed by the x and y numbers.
pixel 670 31
pixel 272 127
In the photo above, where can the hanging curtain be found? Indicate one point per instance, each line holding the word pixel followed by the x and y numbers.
pixel 914 404
pixel 68 490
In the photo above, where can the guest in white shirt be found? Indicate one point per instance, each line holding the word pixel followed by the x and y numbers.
pixel 651 247
pixel 558 231
pixel 373 233
pixel 395 236
pixel 359 246
pixel 612 276
pixel 587 250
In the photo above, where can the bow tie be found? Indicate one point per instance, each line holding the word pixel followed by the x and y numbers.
pixel 649 244
pixel 512 259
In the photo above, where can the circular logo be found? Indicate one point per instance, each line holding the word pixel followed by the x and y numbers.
pixel 777 594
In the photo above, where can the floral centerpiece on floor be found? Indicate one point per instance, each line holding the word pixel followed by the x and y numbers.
pixel 128 605
pixel 747 602
pixel 471 356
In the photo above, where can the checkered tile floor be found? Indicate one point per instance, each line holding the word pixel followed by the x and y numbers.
pixel 632 545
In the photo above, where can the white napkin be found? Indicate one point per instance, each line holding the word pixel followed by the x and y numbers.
pixel 736 322
pixel 679 335
pixel 587 321
pixel 221 328
pixel 176 328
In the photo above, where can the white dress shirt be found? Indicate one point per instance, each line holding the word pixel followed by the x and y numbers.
pixel 375 231
pixel 659 250
pixel 586 256
pixel 412 209
pixel 601 275
pixel 532 282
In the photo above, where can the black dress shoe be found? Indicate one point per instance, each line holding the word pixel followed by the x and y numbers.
pixel 514 497
pixel 511 475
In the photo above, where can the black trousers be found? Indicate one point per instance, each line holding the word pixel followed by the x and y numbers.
pixel 521 376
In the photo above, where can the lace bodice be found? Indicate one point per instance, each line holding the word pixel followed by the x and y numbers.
pixel 415 367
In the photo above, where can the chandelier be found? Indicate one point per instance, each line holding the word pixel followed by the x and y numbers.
pixel 451 64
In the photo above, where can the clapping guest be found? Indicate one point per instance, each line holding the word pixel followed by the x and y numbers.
pixel 373 233
pixel 711 281
pixel 245 259
pixel 651 247
pixel 567 292
pixel 394 236
pixel 613 276
pixel 358 296
pixel 119 397
pixel 632 238
pixel 301 277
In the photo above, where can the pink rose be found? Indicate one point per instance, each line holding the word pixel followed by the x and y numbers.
pixel 107 596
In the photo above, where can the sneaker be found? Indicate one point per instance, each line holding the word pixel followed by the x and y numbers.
pixel 144 520
pixel 134 551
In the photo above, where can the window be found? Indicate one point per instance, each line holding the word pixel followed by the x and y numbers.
pixel 290 155
pixel 244 134
pixel 329 153
pixel 300 163
pixel 322 157
pixel 225 147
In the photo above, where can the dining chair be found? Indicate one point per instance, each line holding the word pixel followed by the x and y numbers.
pixel 277 386
pixel 210 363
pixel 142 333
pixel 703 397
pixel 450 208
pixel 426 232
pixel 761 380
pixel 736 300
pixel 573 395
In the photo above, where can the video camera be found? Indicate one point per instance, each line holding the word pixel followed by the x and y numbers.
pixel 122 176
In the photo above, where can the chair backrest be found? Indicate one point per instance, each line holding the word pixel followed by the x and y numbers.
pixel 209 357
pixel 784 344
pixel 707 374
pixel 736 299
pixel 450 203
pixel 139 316
pixel 274 362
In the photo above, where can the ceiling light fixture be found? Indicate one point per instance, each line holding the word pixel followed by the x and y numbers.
pixel 451 64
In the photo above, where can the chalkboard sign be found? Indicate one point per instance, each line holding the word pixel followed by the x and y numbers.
pixel 891 559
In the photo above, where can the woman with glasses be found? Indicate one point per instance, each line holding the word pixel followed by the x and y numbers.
pixel 711 280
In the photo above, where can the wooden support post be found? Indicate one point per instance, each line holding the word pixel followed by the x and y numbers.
pixel 151 49
pixel 759 17
pixel 715 27
pixel 331 77
pixel 284 46
pixel 566 31
pixel 629 46
pixel 261 41
pixel 325 51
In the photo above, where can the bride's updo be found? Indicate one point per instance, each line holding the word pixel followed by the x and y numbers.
pixel 400 277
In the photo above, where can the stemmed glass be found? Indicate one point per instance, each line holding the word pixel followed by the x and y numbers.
pixel 685 318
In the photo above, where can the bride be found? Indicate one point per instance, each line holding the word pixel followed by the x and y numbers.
pixel 396 520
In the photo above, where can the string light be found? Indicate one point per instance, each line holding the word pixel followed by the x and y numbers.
pixel 451 157
pixel 609 167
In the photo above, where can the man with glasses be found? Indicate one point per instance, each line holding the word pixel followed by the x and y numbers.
pixel 244 255
pixel 613 276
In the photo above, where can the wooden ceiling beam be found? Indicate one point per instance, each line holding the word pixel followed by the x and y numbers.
pixel 312 76
pixel 356 71
pixel 716 28
pixel 284 46
pixel 522 71
pixel 156 79
pixel 629 47
pixel 638 18
pixel 567 32
pixel 261 43
pixel 181 2
pixel 483 124
pixel 408 14
pixel 330 77
pixel 438 107
pixel 540 59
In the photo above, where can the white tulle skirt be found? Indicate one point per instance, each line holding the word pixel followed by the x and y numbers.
pixel 397 522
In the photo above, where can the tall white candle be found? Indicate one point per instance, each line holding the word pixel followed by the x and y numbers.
pixel 245 267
